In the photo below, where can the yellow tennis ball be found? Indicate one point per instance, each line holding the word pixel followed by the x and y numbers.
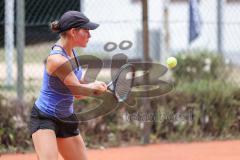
pixel 171 62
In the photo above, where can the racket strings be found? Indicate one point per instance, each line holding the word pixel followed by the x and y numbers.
pixel 124 84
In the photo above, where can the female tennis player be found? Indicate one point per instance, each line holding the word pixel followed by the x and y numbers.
pixel 53 124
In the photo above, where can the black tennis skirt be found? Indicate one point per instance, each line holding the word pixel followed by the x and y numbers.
pixel 63 128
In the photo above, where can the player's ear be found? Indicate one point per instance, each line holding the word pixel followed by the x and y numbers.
pixel 71 32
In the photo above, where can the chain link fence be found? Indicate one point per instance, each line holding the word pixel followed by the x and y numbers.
pixel 121 20
pixel 38 40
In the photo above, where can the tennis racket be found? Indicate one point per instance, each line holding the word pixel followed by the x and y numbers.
pixel 122 83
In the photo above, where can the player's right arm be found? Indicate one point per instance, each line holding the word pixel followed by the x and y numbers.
pixel 59 66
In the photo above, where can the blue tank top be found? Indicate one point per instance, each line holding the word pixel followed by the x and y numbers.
pixel 55 98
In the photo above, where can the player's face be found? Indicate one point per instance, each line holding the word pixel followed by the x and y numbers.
pixel 81 37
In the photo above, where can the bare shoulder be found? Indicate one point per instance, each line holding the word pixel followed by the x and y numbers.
pixel 56 61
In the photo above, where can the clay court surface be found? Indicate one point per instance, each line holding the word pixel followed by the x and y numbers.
pixel 222 150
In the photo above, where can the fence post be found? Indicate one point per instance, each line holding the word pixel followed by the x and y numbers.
pixel 20 37
pixel 166 32
pixel 146 102
pixel 220 26
pixel 9 40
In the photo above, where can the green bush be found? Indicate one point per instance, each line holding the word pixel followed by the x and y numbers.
pixel 213 107
pixel 14 134
pixel 199 65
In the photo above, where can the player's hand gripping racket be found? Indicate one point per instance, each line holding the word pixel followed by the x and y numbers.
pixel 122 83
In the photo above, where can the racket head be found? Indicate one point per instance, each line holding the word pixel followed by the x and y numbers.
pixel 122 82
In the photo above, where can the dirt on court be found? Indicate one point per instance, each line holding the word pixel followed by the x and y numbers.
pixel 218 150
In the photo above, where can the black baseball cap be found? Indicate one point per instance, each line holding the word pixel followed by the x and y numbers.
pixel 75 19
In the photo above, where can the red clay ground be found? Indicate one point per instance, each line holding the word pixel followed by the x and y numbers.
pixel 225 150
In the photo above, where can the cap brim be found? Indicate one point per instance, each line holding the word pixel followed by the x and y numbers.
pixel 90 26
